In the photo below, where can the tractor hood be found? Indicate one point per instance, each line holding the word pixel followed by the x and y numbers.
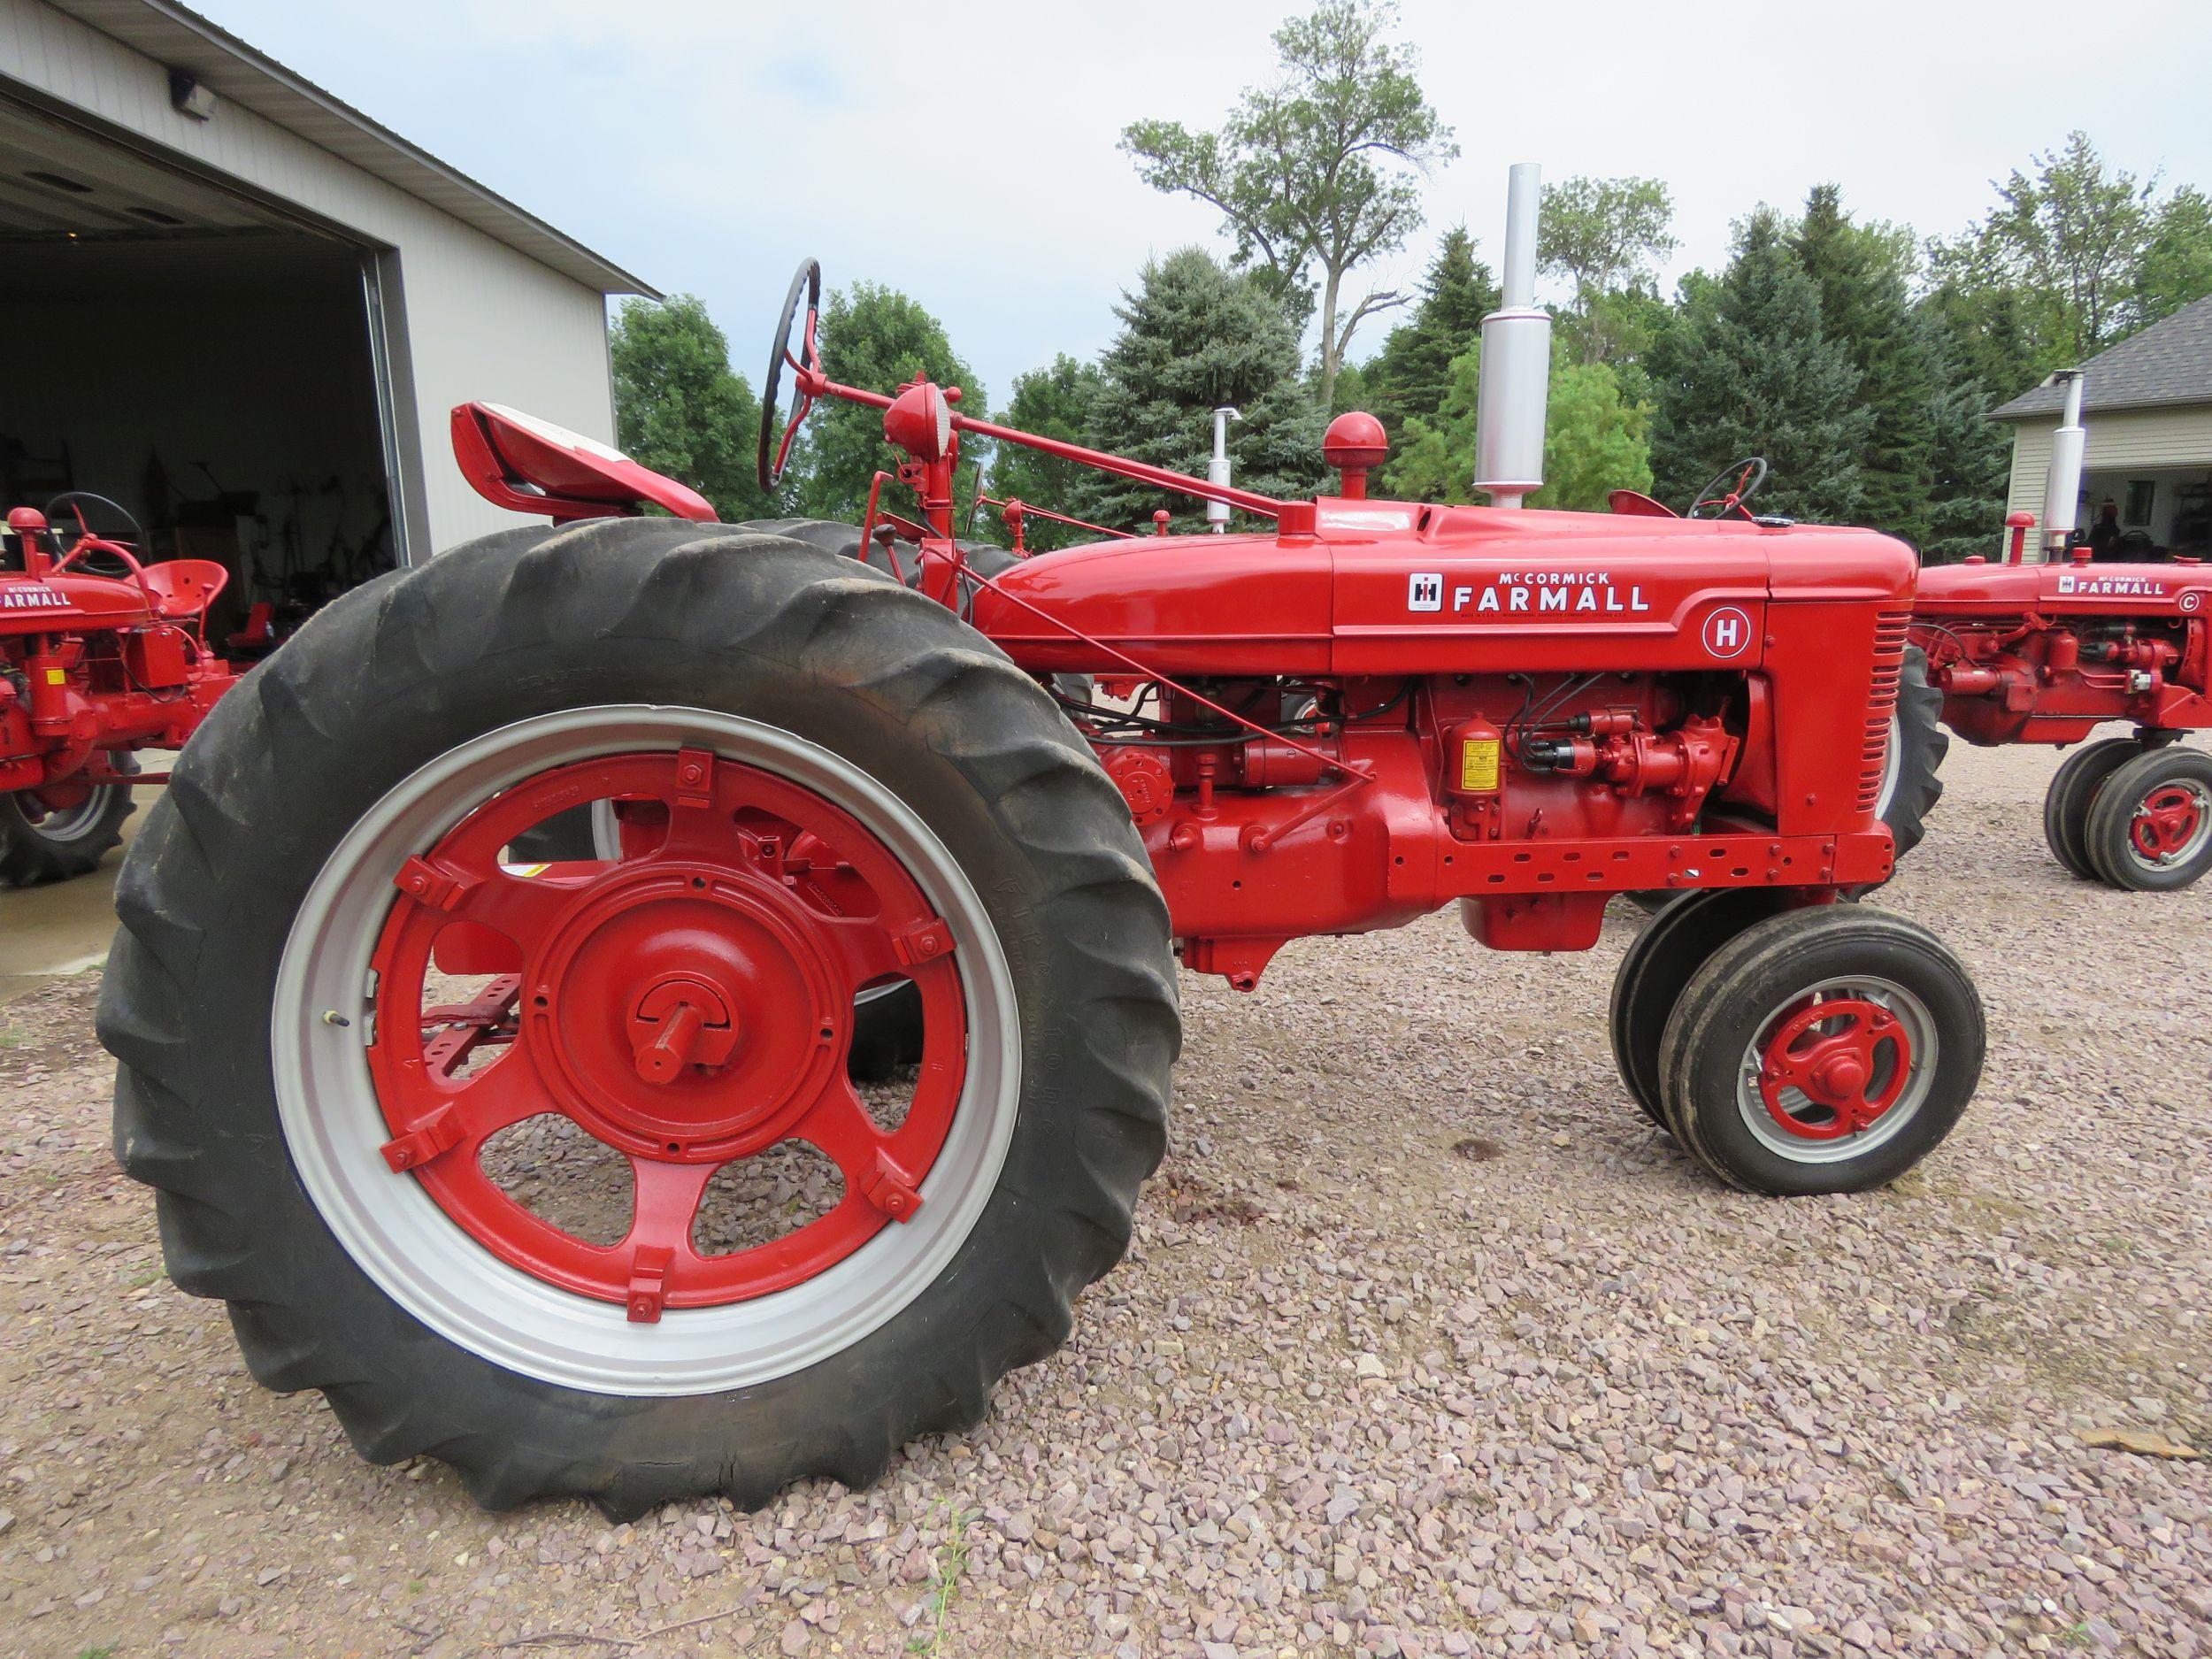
pixel 32 604
pixel 1978 589
pixel 1394 587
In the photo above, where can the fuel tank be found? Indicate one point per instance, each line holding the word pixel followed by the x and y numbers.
pixel 1397 587
pixel 1971 589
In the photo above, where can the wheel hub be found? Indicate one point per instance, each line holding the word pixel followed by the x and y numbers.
pixel 684 1012
pixel 1849 1058
pixel 2167 823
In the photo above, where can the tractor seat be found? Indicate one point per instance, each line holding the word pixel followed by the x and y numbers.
pixel 184 588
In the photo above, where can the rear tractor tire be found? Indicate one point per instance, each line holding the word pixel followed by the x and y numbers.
pixel 53 838
pixel 841 786
pixel 2149 828
pixel 1822 1051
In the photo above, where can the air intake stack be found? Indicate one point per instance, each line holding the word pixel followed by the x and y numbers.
pixel 1509 408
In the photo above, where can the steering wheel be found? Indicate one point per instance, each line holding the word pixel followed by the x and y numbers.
pixel 1729 489
pixel 807 285
pixel 89 542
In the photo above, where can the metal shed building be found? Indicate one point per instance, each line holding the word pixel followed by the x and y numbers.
pixel 242 310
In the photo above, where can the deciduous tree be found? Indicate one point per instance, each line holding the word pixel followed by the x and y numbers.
pixel 679 407
pixel 1604 236
pixel 1318 170
pixel 875 337
pixel 1054 402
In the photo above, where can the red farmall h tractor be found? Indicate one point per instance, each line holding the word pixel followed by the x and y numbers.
pixel 831 797
pixel 99 656
pixel 2046 653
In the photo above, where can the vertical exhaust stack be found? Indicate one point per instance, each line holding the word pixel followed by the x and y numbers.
pixel 2061 486
pixel 1509 408
pixel 1217 468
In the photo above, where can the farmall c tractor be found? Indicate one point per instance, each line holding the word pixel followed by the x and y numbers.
pixel 819 781
pixel 2046 653
pixel 100 655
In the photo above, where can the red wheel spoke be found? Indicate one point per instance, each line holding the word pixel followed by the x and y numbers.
pixel 866 948
pixel 668 1198
pixel 840 1126
pixel 507 1091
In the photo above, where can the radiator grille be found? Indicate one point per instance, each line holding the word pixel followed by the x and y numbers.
pixel 1890 629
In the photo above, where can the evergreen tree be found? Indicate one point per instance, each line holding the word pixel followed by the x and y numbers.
pixel 680 409
pixel 1748 371
pixel 1861 272
pixel 1054 402
pixel 1411 374
pixel 1968 464
pixel 1595 440
pixel 1194 336
pixel 874 337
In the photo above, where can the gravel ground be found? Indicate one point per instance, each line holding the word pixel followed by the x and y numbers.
pixel 1428 1344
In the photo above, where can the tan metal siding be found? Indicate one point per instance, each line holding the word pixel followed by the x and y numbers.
pixel 480 320
pixel 2180 436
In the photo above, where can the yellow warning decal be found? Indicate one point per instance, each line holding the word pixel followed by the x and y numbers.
pixel 1479 764
pixel 56 677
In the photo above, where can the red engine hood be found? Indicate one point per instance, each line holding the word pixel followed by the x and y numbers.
pixel 2108 589
pixel 67 603
pixel 1389 587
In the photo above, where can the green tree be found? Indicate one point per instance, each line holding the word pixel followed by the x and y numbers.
pixel 1968 457
pixel 679 407
pixel 874 337
pixel 1194 336
pixel 1054 402
pixel 2068 238
pixel 1411 374
pixel 1604 236
pixel 1320 169
pixel 1748 371
pixel 1862 273
pixel 1595 440
pixel 2176 265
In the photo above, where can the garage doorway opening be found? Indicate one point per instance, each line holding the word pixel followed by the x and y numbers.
pixel 201 363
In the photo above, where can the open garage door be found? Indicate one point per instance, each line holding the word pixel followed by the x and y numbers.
pixel 209 364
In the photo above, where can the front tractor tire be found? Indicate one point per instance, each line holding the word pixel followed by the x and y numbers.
pixel 2072 792
pixel 338 983
pixel 1827 1049
pixel 2148 828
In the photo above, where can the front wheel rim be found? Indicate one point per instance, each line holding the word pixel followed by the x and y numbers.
pixel 72 823
pixel 2171 823
pixel 647 1317
pixel 1838 1070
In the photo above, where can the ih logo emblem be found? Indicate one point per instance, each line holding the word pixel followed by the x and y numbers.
pixel 1425 591
pixel 1727 632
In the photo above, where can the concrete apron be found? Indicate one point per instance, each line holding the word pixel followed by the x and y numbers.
pixel 65 927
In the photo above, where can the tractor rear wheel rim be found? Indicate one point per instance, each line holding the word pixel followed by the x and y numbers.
pixel 1838 1070
pixel 2171 824
pixel 689 1006
pixel 72 820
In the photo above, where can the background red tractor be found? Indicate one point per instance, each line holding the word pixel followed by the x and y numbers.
pixel 99 656
pixel 817 783
pixel 2046 653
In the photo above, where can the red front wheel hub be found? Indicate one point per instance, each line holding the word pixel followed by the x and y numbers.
pixel 1848 1061
pixel 689 1005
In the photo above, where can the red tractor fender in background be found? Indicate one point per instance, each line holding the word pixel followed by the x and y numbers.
pixel 529 465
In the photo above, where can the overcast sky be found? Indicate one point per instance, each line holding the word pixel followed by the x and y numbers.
pixel 966 153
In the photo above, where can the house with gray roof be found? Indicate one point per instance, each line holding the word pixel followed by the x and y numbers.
pixel 2146 404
